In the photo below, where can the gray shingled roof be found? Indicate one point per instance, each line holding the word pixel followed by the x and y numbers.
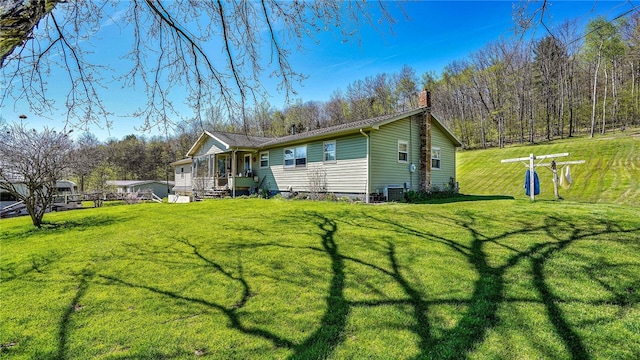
pixel 246 141
pixel 240 140
pixel 356 125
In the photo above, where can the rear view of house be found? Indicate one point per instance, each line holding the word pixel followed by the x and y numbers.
pixel 371 159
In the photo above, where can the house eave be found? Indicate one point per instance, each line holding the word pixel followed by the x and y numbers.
pixel 185 161
pixel 351 128
pixel 201 140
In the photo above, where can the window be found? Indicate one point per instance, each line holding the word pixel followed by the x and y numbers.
pixel 403 151
pixel 264 159
pixel 330 151
pixel 247 164
pixel 5 196
pixel 435 158
pixel 224 166
pixel 201 165
pixel 295 157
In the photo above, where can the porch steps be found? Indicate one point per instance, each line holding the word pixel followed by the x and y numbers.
pixel 215 194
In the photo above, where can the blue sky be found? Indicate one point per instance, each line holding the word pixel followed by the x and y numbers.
pixel 437 33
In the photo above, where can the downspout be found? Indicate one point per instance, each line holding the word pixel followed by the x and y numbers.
pixel 367 192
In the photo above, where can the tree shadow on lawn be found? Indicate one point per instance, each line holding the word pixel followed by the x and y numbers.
pixel 64 327
pixel 53 227
pixel 231 312
pixel 482 306
pixel 488 292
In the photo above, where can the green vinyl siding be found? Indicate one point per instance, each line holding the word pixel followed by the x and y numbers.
pixel 265 175
pixel 439 178
pixel 385 168
pixel 276 157
pixel 345 175
pixel 351 147
pixel 314 151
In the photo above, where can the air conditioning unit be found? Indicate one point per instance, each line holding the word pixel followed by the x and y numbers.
pixel 394 193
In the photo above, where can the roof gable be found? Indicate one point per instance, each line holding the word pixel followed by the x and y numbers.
pixel 454 139
pixel 229 141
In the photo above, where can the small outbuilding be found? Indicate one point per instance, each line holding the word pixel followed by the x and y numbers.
pixel 161 188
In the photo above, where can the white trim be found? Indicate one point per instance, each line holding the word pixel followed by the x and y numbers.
pixel 335 152
pixel 260 159
pixel 406 143
pixel 199 142
pixel 244 161
pixel 295 158
pixel 439 158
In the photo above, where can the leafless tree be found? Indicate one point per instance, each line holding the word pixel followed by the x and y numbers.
pixel 218 51
pixel 87 154
pixel 317 181
pixel 30 164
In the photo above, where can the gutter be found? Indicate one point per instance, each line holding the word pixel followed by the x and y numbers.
pixel 366 200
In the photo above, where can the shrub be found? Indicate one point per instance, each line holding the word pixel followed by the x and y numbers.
pixel 329 197
pixel 435 193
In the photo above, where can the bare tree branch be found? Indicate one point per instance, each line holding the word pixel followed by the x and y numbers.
pixel 215 51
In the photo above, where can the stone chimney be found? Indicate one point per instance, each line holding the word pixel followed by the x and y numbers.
pixel 424 100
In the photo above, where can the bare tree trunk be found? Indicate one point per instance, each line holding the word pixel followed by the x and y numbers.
pixel 570 78
pixel 483 132
pixel 633 88
pixel 593 99
pixel 614 94
pixel 18 20
pixel 604 100
pixel 531 127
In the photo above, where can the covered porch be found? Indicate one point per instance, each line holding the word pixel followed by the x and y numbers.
pixel 226 173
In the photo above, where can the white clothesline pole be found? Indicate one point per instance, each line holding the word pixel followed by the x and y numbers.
pixel 532 177
pixel 532 167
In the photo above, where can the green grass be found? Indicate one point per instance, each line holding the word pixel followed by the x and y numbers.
pixel 610 175
pixel 262 279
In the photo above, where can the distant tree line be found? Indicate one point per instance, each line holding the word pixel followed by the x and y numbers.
pixel 569 82
pixel 574 81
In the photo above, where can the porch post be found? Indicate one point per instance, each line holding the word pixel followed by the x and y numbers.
pixel 234 168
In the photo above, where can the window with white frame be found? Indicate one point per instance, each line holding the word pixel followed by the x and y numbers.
pixel 403 151
pixel 201 166
pixel 264 159
pixel 295 157
pixel 329 151
pixel 435 158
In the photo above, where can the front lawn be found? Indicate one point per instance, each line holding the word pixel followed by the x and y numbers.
pixel 252 279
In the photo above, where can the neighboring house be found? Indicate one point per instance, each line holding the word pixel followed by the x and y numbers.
pixel 66 190
pixel 367 159
pixel 161 188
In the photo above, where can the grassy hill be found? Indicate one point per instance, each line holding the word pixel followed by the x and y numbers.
pixel 274 279
pixel 611 173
